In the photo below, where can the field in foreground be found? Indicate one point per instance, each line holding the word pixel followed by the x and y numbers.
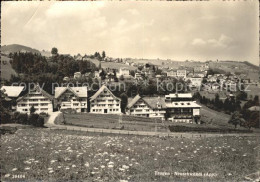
pixel 44 154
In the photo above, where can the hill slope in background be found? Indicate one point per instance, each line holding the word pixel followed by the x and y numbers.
pixel 112 65
pixel 6 49
pixel 6 68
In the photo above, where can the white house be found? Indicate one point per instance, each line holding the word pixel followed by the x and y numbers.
pixel 138 76
pixel 123 71
pixel 104 101
pixel 171 73
pixel 181 108
pixel 181 73
pixel 37 97
pixel 195 81
pixel 77 75
pixel 71 98
pixel 153 107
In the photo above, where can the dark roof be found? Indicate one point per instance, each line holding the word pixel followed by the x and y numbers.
pixel 100 91
pixel 38 88
pixel 150 101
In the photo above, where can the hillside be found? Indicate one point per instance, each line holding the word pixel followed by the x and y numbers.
pixel 6 49
pixel 112 65
pixel 6 68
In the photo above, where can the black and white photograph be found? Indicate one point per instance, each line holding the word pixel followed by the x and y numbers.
pixel 130 91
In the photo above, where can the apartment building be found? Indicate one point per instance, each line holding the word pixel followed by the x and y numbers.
pixel 105 102
pixel 181 108
pixel 152 107
pixel 36 97
pixel 71 98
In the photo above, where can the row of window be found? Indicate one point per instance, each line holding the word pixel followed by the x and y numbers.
pixel 35 100
pixel 25 105
pixel 35 95
pixel 100 110
pixel 103 105
pixel 42 109
pixel 102 100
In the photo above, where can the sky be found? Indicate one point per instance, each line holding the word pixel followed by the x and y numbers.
pixel 166 30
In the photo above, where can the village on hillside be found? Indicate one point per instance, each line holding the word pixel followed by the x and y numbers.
pixel 99 84
pixel 107 91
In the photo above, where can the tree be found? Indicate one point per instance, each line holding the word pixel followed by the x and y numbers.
pixel 256 100
pixel 132 73
pixel 242 95
pixel 121 78
pixel 102 75
pixel 103 55
pixel 54 51
pixel 124 100
pixel 99 66
pixel 236 119
pixel 32 110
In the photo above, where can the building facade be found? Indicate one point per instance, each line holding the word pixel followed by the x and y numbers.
pixel 38 98
pixel 123 72
pixel 152 107
pixel 195 81
pixel 105 102
pixel 181 108
pixel 74 98
pixel 181 73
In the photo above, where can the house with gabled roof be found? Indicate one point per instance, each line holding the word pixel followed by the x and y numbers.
pixel 181 108
pixel 152 107
pixel 71 98
pixel 105 102
pixel 36 97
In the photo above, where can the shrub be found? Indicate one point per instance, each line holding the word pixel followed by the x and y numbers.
pixel 5 118
pixel 36 120
pixel 44 114
pixel 39 122
pixel 203 128
pixel 33 119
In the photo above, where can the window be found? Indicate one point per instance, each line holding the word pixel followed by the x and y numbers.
pixel 94 110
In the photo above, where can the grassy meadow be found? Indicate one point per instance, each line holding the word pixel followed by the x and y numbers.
pixel 111 121
pixel 42 154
